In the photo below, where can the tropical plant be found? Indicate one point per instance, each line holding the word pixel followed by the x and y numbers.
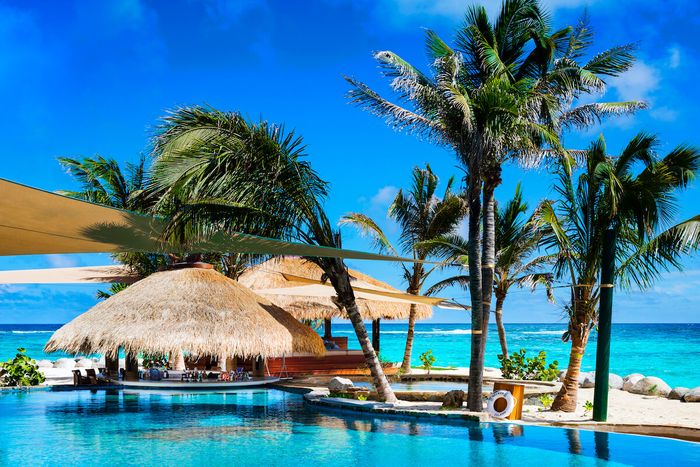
pixel 635 196
pixel 223 173
pixel 519 366
pixel 20 371
pixel 113 289
pixel 422 216
pixel 428 359
pixel 517 261
pixel 546 400
pixel 154 360
pixel 503 92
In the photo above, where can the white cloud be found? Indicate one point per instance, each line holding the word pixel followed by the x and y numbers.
pixel 638 83
pixel 62 261
pixel 665 114
pixel 674 57
pixel 384 196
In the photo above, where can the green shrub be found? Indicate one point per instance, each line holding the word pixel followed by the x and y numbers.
pixel 428 359
pixel 587 406
pixel 518 366
pixel 154 360
pixel 20 371
pixel 546 400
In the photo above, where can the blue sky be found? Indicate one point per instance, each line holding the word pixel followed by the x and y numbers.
pixel 80 78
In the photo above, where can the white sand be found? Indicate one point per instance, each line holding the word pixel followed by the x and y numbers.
pixel 625 408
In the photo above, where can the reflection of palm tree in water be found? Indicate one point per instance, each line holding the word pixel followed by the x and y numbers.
pixel 574 441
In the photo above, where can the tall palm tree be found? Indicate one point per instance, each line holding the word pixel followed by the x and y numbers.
pixel 517 261
pixel 635 194
pixel 422 216
pixel 501 93
pixel 224 173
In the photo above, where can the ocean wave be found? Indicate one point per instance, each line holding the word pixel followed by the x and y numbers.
pixel 435 332
pixel 25 332
pixel 554 333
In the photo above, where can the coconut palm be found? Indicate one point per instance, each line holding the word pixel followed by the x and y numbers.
pixel 634 194
pixel 506 88
pixel 422 216
pixel 218 172
pixel 517 261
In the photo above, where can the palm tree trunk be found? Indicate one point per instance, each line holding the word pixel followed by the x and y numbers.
pixel 499 324
pixel 476 360
pixel 338 274
pixel 406 364
pixel 488 262
pixel 567 397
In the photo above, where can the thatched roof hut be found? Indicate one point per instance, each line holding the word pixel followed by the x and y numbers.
pixel 268 280
pixel 197 310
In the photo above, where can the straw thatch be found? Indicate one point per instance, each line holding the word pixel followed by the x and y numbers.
pixel 268 276
pixel 196 310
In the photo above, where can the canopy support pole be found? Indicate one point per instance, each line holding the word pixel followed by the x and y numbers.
pixel 375 334
pixel 602 360
pixel 327 331
pixel 131 367
pixel 112 365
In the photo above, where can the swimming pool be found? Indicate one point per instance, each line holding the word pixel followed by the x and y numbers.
pixel 271 427
pixel 426 386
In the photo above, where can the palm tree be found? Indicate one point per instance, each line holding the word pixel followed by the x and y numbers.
pixel 219 172
pixel 517 262
pixel 613 193
pixel 501 93
pixel 422 216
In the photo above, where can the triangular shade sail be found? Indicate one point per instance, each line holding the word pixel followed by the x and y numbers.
pixel 34 221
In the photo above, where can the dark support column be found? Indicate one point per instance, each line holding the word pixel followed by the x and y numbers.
pixel 131 367
pixel 375 334
pixel 112 365
pixel 602 359
pixel 327 332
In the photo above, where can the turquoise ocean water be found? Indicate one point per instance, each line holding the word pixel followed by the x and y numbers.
pixel 669 351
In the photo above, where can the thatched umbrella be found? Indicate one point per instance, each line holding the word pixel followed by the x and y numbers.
pixel 268 280
pixel 311 302
pixel 195 309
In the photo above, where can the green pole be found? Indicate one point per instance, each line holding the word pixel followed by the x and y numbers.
pixel 602 358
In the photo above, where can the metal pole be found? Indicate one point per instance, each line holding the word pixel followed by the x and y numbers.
pixel 602 359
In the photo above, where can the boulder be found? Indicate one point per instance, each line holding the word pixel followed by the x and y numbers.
pixel 562 375
pixel 678 393
pixel 44 363
pixel 338 384
pixel 630 380
pixel 693 395
pixel 615 381
pixel 84 363
pixel 588 380
pixel 651 386
pixel 65 363
pixel 453 399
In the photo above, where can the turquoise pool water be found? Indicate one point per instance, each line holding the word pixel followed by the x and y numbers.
pixel 270 428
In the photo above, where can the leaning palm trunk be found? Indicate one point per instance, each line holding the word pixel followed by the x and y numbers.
pixel 488 261
pixel 567 397
pixel 406 364
pixel 476 361
pixel 501 328
pixel 579 331
pixel 338 274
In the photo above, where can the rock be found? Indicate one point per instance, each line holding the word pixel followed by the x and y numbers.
pixel 339 384
pixel 678 393
pixel 615 381
pixel 588 380
pixel 84 363
pixel 453 399
pixel 44 363
pixel 651 386
pixel 65 363
pixel 630 380
pixel 562 375
pixel 693 395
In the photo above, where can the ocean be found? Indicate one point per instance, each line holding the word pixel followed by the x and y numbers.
pixel 669 351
